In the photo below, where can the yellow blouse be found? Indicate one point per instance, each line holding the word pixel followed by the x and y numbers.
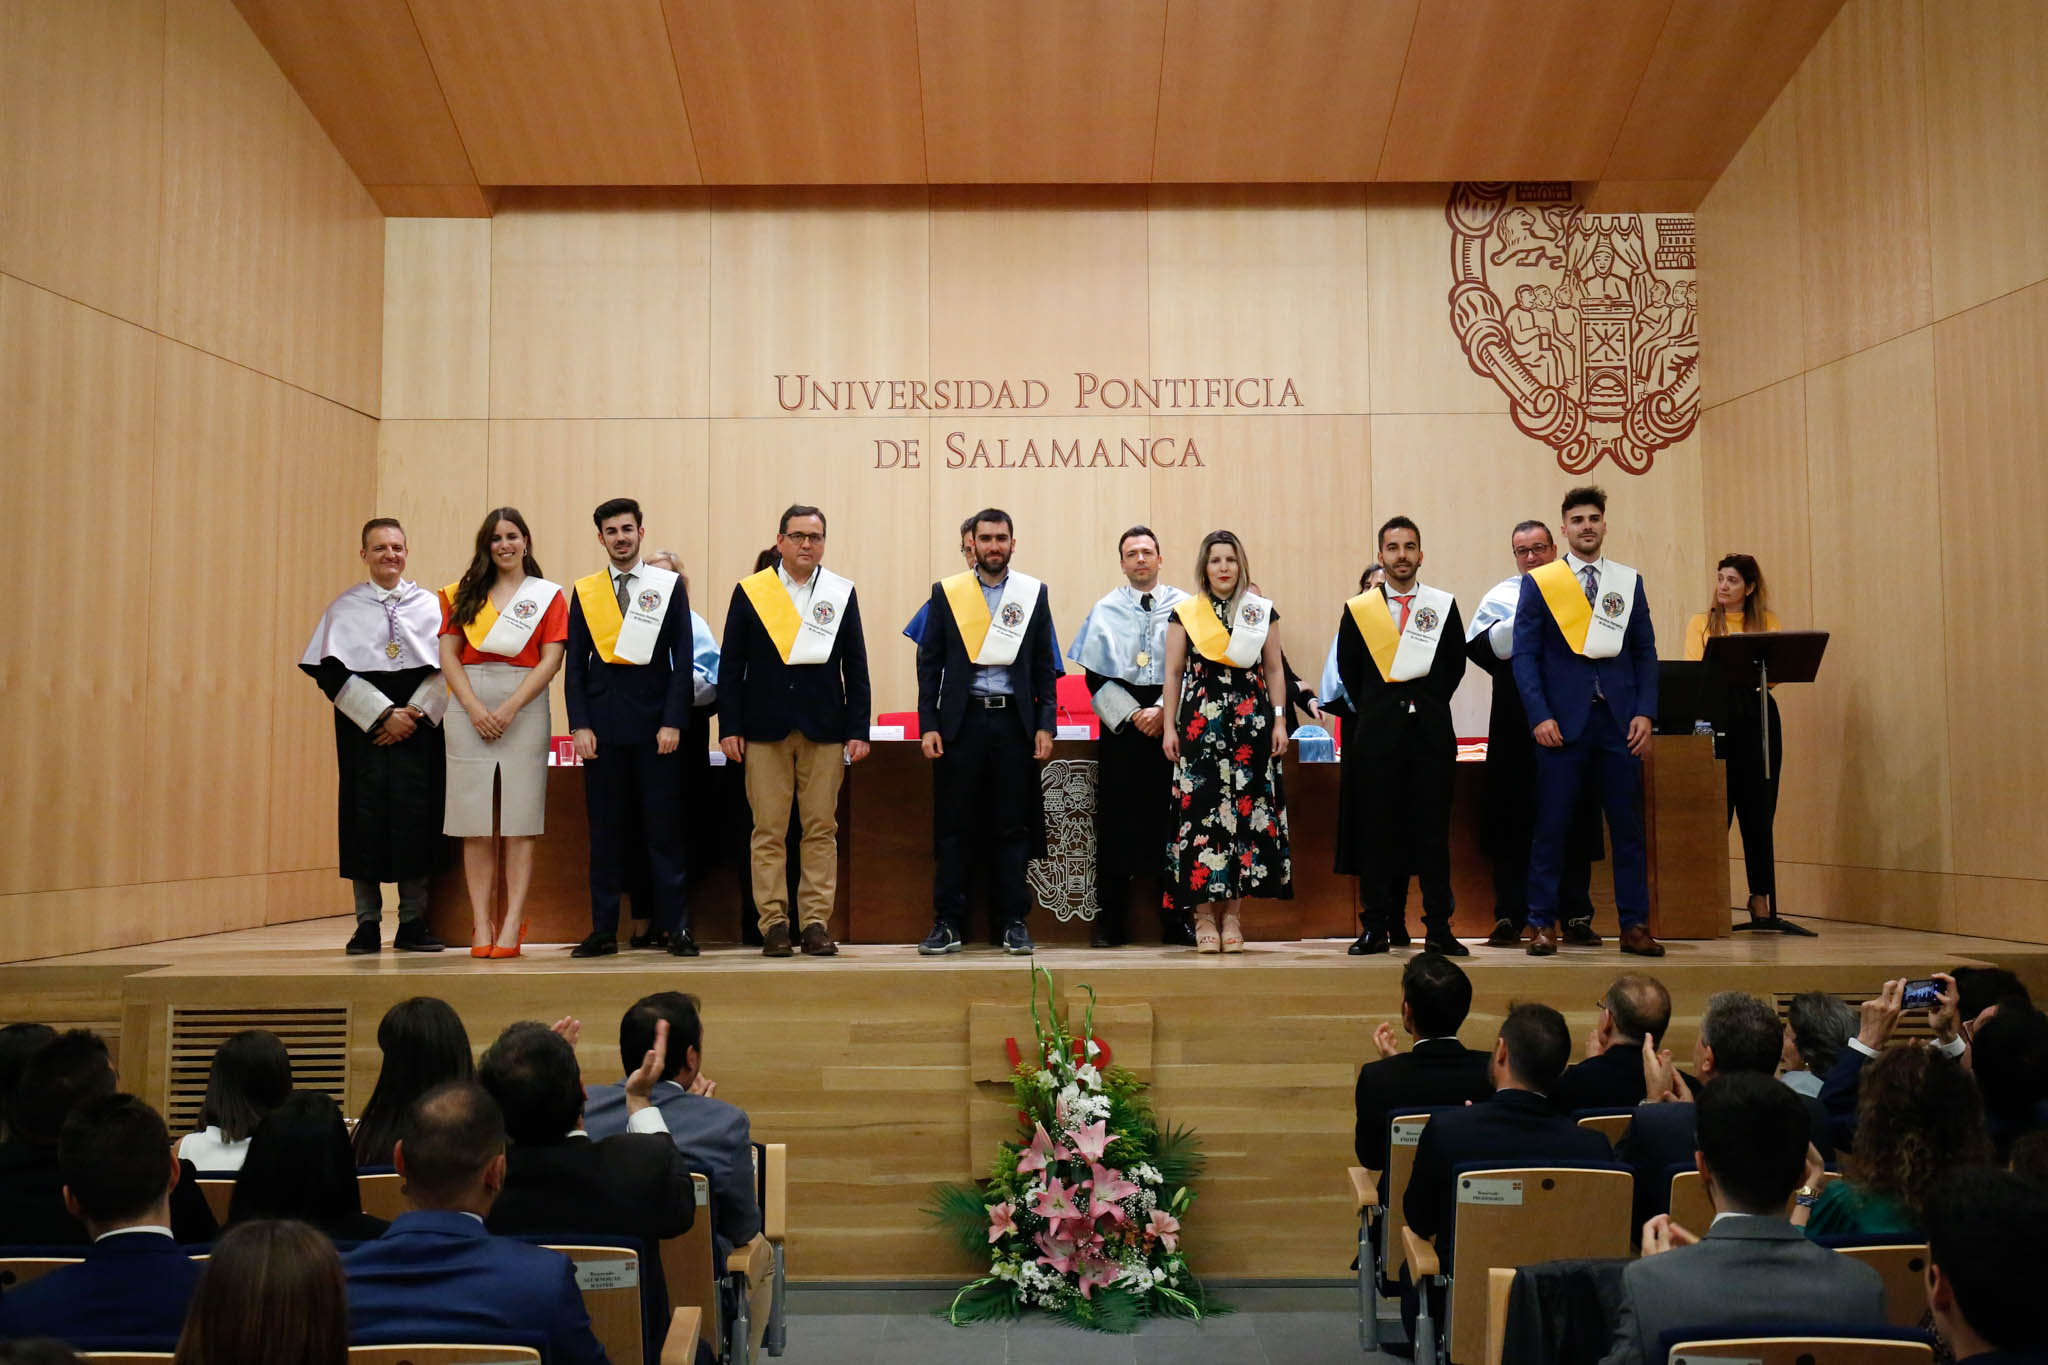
pixel 1696 631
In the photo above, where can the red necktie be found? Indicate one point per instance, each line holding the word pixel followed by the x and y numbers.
pixel 1404 600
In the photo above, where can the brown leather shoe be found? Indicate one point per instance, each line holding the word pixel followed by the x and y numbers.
pixel 1635 938
pixel 818 943
pixel 775 941
pixel 1542 940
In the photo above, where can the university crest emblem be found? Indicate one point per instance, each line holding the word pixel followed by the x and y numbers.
pixel 1587 321
pixel 823 613
pixel 1612 604
pixel 1426 619
pixel 1012 614
pixel 649 600
pixel 1064 880
pixel 1253 614
pixel 525 609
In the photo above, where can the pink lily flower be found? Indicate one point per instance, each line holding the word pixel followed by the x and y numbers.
pixel 1165 1227
pixel 1001 1223
pixel 1055 1203
pixel 1089 1142
pixel 1058 1254
pixel 1111 1189
pixel 1042 1152
pixel 1096 1271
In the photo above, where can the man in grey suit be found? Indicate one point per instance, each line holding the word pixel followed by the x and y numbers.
pixel 1750 1267
pixel 711 1134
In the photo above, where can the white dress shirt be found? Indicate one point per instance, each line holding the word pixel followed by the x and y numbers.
pixel 205 1150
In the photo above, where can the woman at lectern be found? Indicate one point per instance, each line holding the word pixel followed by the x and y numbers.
pixel 1225 694
pixel 504 631
pixel 1739 606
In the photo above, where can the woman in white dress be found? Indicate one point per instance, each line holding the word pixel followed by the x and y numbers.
pixel 250 1076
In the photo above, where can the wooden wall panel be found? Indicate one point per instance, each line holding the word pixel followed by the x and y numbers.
pixel 1880 708
pixel 769 86
pixel 552 94
pixel 1750 275
pixel 79 391
pixel 1987 163
pixel 1039 284
pixel 598 302
pixel 1038 91
pixel 437 318
pixel 1988 367
pixel 835 284
pixel 1414 357
pixel 435 478
pixel 1262 282
pixel 48 923
pixel 81 150
pixel 555 473
pixel 1224 118
pixel 334 270
pixel 219 428
pixel 433 201
pixel 1863 181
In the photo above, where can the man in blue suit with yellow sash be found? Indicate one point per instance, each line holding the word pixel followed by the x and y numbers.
pixel 1585 660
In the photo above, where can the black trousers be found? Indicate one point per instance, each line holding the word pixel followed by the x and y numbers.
pixel 630 789
pixel 1421 847
pixel 983 785
pixel 1133 781
pixel 1753 798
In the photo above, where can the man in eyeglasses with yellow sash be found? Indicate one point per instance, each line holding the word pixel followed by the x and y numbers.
pixel 793 708
pixel 986 679
pixel 1585 659
pixel 1400 748
pixel 628 692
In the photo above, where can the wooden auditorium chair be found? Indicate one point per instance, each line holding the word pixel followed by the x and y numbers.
pixel 1608 1123
pixel 219 1191
pixel 442 1353
pixel 608 1278
pixel 383 1192
pixel 1901 1264
pixel 1689 1206
pixel 19 1269
pixel 1377 1197
pixel 679 1347
pixel 1852 1346
pixel 753 1274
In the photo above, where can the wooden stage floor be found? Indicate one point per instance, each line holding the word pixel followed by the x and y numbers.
pixel 879 1069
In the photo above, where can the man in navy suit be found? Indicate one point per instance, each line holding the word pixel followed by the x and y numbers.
pixel 1439 1070
pixel 1635 1008
pixel 135 1283
pixel 629 693
pixel 438 1274
pixel 1585 660
pixel 793 709
pixel 986 705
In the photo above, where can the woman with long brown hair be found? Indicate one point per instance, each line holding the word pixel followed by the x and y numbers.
pixel 272 1293
pixel 1918 1114
pixel 504 630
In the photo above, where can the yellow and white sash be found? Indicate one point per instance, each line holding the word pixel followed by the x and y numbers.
pixel 1242 644
pixel 992 639
pixel 1594 629
pixel 799 638
pixel 626 637
pixel 1408 654
pixel 505 633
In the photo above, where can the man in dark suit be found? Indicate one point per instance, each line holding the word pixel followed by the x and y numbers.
pixel 1635 1008
pixel 628 693
pixel 1438 1070
pixel 986 705
pixel 135 1283
pixel 438 1274
pixel 1752 1267
pixel 1517 1125
pixel 60 1075
pixel 793 708
pixel 557 1180
pixel 1591 698
pixel 1986 1266
pixel 1739 1033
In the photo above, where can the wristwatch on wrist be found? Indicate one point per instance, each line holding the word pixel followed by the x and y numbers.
pixel 1806 1196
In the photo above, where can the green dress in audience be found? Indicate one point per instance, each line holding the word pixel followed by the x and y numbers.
pixel 1844 1209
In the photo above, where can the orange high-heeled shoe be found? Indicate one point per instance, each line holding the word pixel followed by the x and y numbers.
pixel 513 951
pixel 484 949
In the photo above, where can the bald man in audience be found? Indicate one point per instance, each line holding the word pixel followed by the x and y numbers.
pixel 1635 1008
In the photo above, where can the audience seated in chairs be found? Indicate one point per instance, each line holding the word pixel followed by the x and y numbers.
pixel 424 1045
pixel 1987 1261
pixel 1635 1008
pixel 1751 1265
pixel 300 1166
pixel 558 1181
pixel 134 1282
pixel 1952 1021
pixel 1918 1115
pixel 272 1294
pixel 438 1275
pixel 2009 1058
pixel 1435 997
pixel 712 1135
pixel 1817 1027
pixel 63 1073
pixel 17 1041
pixel 1739 1032
pixel 250 1076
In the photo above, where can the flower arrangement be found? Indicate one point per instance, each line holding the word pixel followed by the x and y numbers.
pixel 1081 1215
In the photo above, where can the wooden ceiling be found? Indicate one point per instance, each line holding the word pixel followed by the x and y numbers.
pixel 435 103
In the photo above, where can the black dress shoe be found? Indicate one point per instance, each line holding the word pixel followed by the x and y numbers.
pixel 412 937
pixel 1017 940
pixel 942 939
pixel 1505 935
pixel 363 940
pixel 680 944
pixel 651 938
pixel 1446 944
pixel 1579 933
pixel 1398 935
pixel 596 945
pixel 1370 943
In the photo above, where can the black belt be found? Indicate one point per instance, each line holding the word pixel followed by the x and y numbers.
pixel 995 703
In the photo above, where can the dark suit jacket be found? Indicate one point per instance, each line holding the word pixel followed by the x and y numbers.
pixel 1435 1071
pixel 712 1137
pixel 1385 713
pixel 32 1209
pixel 435 1276
pixel 629 1185
pixel 1514 1127
pixel 627 703
pixel 133 1287
pixel 1556 682
pixel 1839 1091
pixel 945 675
pixel 1612 1080
pixel 761 697
pixel 1661 1136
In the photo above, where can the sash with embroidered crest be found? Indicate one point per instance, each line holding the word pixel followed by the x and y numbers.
pixel 1593 629
pixel 505 633
pixel 800 638
pixel 993 639
pixel 626 637
pixel 1401 656
pixel 1242 644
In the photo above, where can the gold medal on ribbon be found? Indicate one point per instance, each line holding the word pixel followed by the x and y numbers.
pixel 1144 658
pixel 391 650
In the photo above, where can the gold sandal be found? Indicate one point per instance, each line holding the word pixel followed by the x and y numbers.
pixel 1206 939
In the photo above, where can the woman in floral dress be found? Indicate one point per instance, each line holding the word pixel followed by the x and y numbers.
pixel 1225 688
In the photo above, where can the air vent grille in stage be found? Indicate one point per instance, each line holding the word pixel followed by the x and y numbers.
pixel 315 1035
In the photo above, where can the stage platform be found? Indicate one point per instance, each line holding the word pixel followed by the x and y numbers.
pixel 879 1068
